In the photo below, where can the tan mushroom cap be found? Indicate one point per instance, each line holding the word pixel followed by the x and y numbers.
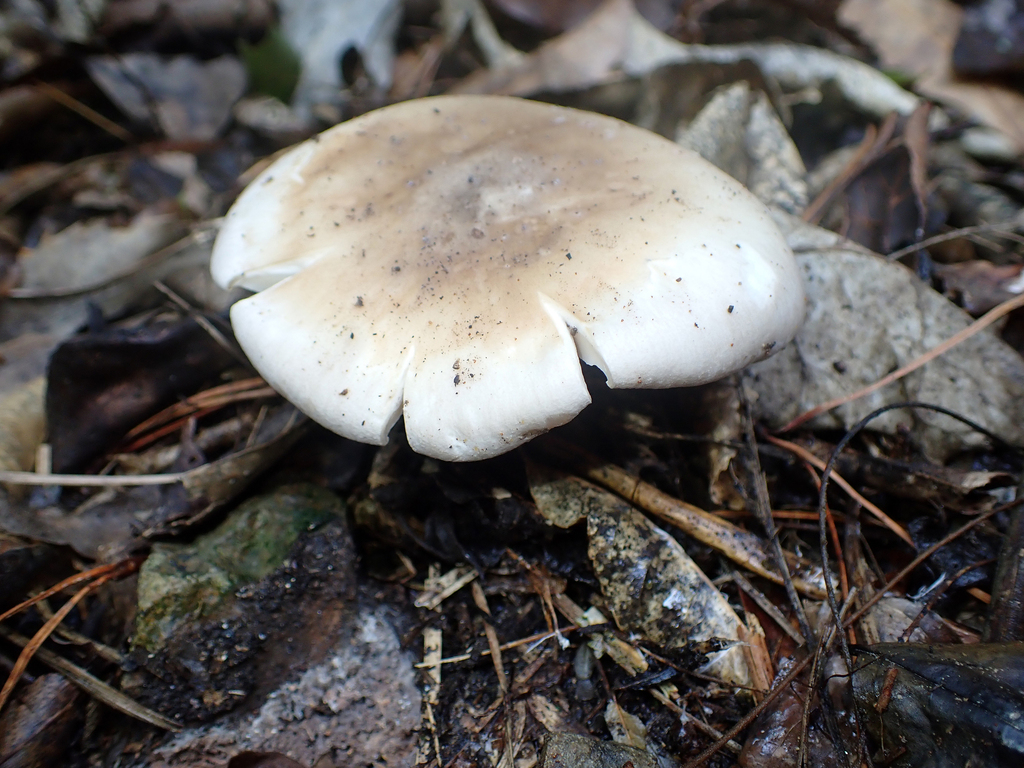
pixel 450 259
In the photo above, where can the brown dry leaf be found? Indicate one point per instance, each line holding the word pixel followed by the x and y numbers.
pixel 917 37
pixel 650 585
pixel 40 725
pixel 980 285
pixel 625 728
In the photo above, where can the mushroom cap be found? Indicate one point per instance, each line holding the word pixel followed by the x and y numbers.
pixel 450 259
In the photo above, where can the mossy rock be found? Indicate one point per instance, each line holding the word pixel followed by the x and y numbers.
pixel 181 583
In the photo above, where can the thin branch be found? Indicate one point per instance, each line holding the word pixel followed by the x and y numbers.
pixel 999 226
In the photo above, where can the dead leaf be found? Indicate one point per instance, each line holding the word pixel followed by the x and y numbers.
pixel 917 37
pixel 740 132
pixel 186 98
pixel 991 40
pixel 867 317
pixel 103 384
pixel 625 728
pixel 39 727
pixel 653 588
pixel 979 285
pixel 568 750
pixel 583 56
pixel 944 706
pixel 616 40
pixel 196 18
pixel 89 265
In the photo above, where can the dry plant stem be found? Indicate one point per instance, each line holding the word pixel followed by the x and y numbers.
pixel 846 623
pixel 12 477
pixel 763 508
pixel 874 143
pixel 978 325
pixel 122 569
pixel 768 607
pixel 94 686
pixel 1000 226
pixel 200 400
pixel 480 599
pixel 813 460
pixel 752 715
pixel 946 584
pixel 824 642
pixel 909 567
pixel 70 581
pixel 203 322
pixel 741 547
pixel 687 718
pixel 539 637
pixel 844 580
pixel 212 405
pixel 88 113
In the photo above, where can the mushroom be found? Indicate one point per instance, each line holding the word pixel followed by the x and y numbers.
pixel 450 259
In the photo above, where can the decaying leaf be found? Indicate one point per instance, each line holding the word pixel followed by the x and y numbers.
pixel 980 285
pixel 322 31
pixel 39 727
pixel 110 522
pixel 187 98
pixel 103 384
pixel 944 706
pixel 917 37
pixel 617 40
pixel 626 728
pixel 867 317
pixel 651 585
pixel 566 750
pixel 87 266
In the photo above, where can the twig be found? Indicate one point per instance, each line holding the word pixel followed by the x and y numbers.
pixel 122 569
pixel 94 686
pixel 12 477
pixel 768 607
pixel 88 113
pixel 752 715
pixel 956 234
pixel 763 507
pixel 814 461
pixel 874 143
pixel 909 567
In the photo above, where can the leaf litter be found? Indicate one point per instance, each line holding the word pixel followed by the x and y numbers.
pixel 632 603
